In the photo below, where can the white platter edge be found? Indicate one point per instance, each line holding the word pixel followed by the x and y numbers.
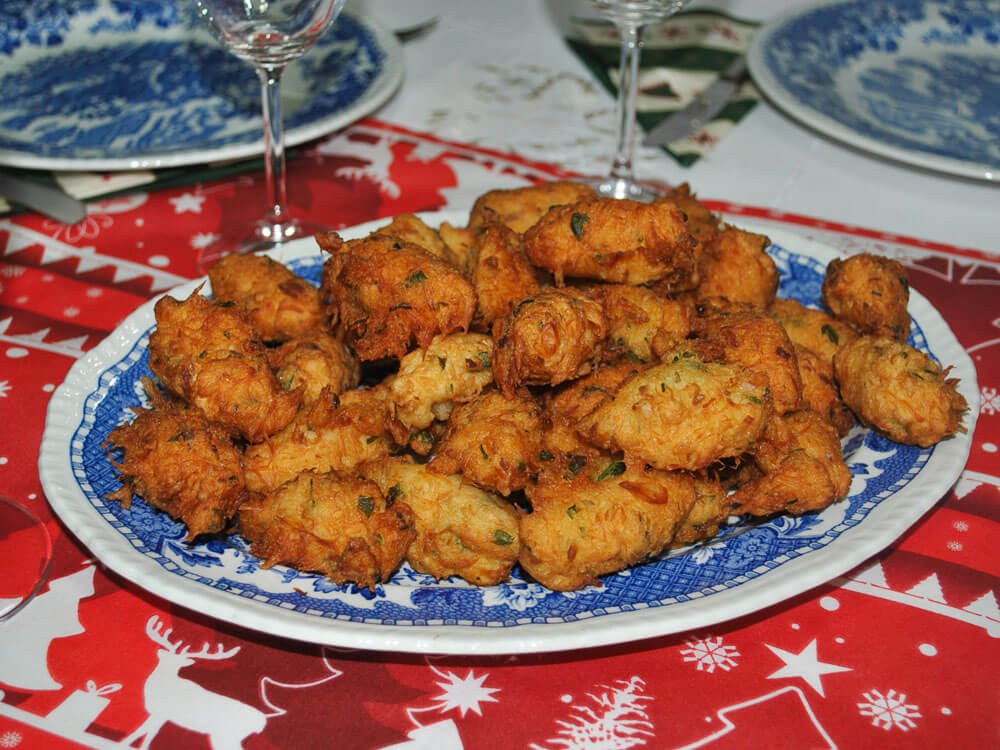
pixel 883 525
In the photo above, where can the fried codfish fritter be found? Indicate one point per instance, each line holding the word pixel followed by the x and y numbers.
pixel 313 362
pixel 550 338
pixel 871 292
pixel 501 273
pixel 803 468
pixel 493 442
pixel 621 241
pixel 521 208
pixel 755 341
pixel 461 530
pixel 710 510
pixel 683 414
pixel 339 526
pixel 592 525
pixel 180 463
pixel 701 222
pixel 814 329
pixel 899 391
pixel 642 326
pixel 280 304
pixel 334 433
pixel 211 356
pixel 411 228
pixel 391 294
pixel 431 381
pixel 820 392
pixel 734 264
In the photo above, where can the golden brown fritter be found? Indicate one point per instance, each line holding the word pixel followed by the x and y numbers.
pixel 820 392
pixel 280 304
pixel 210 355
pixel 814 329
pixel 588 526
pixel 460 242
pixel 683 414
pixel 313 362
pixel 501 274
pixel 735 265
pixel 642 326
pixel 757 342
pixel 493 442
pixel 334 433
pixel 803 468
pixel 899 391
pixel 619 241
pixel 701 222
pixel 392 294
pixel 521 208
pixel 710 510
pixel 550 338
pixel 871 292
pixel 411 228
pixel 575 400
pixel 339 526
pixel 180 463
pixel 451 370
pixel 461 530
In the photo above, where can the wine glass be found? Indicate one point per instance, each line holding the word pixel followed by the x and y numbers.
pixel 25 556
pixel 631 17
pixel 269 34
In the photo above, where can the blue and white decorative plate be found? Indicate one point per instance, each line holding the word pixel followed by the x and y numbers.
pixel 142 84
pixel 917 81
pixel 893 487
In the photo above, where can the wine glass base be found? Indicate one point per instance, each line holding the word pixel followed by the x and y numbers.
pixel 265 236
pixel 621 188
pixel 25 557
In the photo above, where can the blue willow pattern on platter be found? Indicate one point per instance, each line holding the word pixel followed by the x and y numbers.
pixel 880 469
pixel 156 81
pixel 927 72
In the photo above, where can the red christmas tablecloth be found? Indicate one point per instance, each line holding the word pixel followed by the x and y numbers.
pixel 901 652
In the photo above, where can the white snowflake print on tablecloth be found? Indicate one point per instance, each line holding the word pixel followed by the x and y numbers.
pixel 710 653
pixel 889 711
pixel 10 739
pixel 990 399
pixel 5 388
pixel 616 720
pixel 464 693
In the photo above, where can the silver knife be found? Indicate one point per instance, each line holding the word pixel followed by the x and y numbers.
pixel 700 110
pixel 46 199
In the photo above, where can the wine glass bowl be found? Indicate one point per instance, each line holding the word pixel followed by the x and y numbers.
pixel 631 17
pixel 269 34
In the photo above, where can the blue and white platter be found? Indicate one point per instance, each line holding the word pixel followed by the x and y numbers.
pixel 915 81
pixel 142 84
pixel 893 486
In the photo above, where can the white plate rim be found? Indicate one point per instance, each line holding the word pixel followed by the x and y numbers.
pixel 882 526
pixel 775 90
pixel 383 87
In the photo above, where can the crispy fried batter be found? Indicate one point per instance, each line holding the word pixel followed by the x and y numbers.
pixel 820 392
pixel 493 442
pixel 451 370
pixel 521 208
pixel 735 265
pixel 710 510
pixel 803 468
pixel 683 414
pixel 461 530
pixel 180 463
pixel 280 304
pixel 339 526
pixel 575 400
pixel 619 241
pixel 588 526
pixel 461 242
pixel 501 273
pixel 211 356
pixel 391 294
pixel 642 326
pixel 701 222
pixel 315 361
pixel 899 391
pixel 411 228
pixel 871 292
pixel 550 338
pixel 814 329
pixel 332 434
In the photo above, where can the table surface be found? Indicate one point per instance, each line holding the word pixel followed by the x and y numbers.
pixel 899 651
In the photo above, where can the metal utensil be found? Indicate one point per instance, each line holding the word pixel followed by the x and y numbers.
pixel 700 110
pixel 46 199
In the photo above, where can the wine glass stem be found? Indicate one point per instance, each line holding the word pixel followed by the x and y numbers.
pixel 628 89
pixel 274 150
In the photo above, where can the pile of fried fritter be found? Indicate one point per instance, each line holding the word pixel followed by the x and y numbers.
pixel 571 383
